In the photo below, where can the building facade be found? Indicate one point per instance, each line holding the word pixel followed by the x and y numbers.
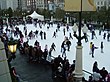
pixel 42 4
pixel 101 3
pixel 31 5
pixel 3 4
pixel 12 3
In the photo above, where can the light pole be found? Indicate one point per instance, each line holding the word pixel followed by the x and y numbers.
pixel 23 15
pixel 7 15
pixel 12 46
pixel 78 73
pixel 67 18
pixel 51 9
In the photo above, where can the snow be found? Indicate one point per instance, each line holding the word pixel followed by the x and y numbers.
pixel 101 58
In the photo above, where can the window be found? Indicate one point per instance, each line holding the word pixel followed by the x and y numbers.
pixel 104 3
pixel 97 3
pixel 101 2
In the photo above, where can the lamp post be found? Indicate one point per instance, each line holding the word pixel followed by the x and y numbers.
pixel 23 15
pixel 78 73
pixel 7 15
pixel 67 18
pixel 12 46
pixel 51 9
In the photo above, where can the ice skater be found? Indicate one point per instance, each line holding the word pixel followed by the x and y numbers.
pixel 93 48
pixel 101 46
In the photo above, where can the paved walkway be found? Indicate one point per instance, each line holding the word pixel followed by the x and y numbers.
pixel 31 72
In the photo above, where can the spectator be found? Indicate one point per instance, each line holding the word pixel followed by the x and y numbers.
pixel 95 67
pixel 103 73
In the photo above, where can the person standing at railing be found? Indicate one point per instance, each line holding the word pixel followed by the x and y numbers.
pixel 108 77
pixel 103 73
pixel 96 73
pixel 95 67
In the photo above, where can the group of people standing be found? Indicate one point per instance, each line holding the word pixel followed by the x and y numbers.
pixel 99 75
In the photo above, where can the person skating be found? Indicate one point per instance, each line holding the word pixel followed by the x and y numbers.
pixel 93 48
pixel 64 31
pixel 104 36
pixel 68 43
pixel 53 46
pixel 108 36
pixel 41 33
pixel 54 34
pixel 101 46
pixel 70 36
pixel 90 52
pixel 63 51
pixel 45 35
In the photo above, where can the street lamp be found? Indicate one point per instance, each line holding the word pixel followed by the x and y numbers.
pixel 51 9
pixel 23 15
pixel 7 15
pixel 78 73
pixel 67 19
pixel 12 46
pixel 79 6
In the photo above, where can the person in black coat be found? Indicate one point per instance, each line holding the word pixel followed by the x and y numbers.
pixel 44 35
pixel 103 73
pixel 101 46
pixel 68 43
pixel 45 53
pixel 41 33
pixel 53 46
pixel 95 67
pixel 93 48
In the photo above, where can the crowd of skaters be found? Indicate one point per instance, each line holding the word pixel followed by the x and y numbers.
pixel 60 66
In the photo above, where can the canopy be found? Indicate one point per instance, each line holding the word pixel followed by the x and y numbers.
pixel 35 15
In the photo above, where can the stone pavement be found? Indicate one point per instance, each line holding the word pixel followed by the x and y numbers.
pixel 32 72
